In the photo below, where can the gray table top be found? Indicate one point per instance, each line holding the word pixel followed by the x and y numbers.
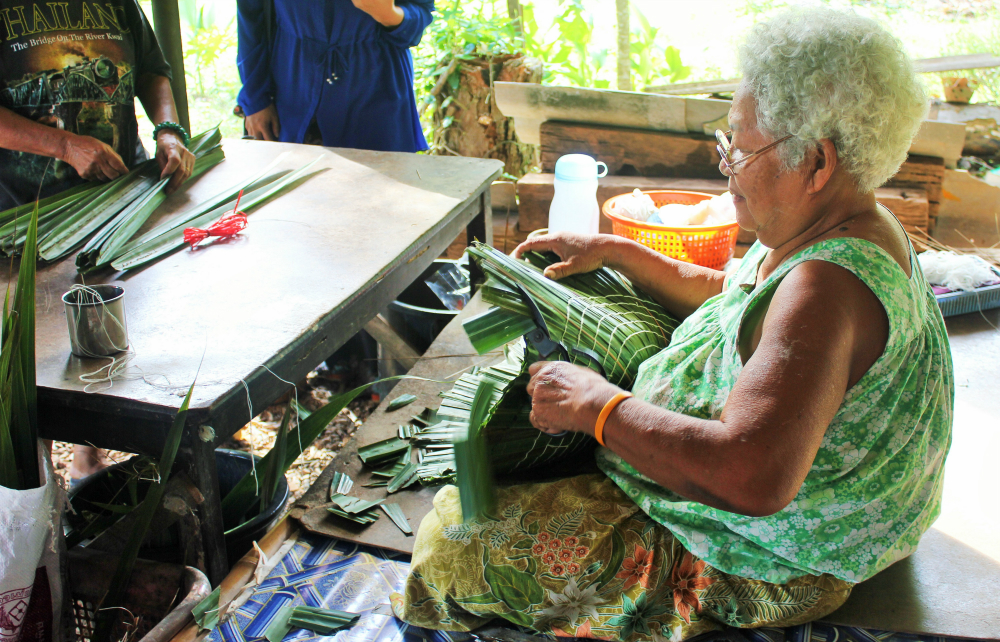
pixel 232 307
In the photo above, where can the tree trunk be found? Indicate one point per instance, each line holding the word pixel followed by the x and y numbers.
pixel 476 126
pixel 624 46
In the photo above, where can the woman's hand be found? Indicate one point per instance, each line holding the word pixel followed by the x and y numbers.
pixel 566 396
pixel 385 12
pixel 264 125
pixel 174 159
pixel 92 159
pixel 579 252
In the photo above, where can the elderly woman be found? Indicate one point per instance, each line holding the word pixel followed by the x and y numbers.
pixel 790 440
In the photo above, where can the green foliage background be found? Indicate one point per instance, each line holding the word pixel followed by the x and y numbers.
pixel 671 42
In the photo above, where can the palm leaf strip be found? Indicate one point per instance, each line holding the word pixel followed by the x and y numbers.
pixel 170 237
pixel 599 311
pixel 18 401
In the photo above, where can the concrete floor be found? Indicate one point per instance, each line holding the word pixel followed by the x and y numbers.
pixel 971 508
pixel 951 585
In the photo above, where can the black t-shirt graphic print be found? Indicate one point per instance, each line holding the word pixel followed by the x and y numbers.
pixel 73 66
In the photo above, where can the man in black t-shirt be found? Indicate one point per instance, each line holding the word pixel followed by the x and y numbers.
pixel 69 75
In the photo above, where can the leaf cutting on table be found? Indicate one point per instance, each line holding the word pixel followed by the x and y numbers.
pixel 171 238
pixel 382 450
pixel 426 417
pixel 398 518
pixel 340 484
pixel 407 476
pixel 400 401
pixel 354 509
pixel 106 213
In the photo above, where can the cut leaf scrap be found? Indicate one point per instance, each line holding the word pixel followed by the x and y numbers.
pixel 400 401
pixel 206 612
pixel 398 518
pixel 407 476
pixel 382 450
pixel 341 484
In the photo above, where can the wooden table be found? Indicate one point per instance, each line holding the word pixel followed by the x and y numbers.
pixel 312 267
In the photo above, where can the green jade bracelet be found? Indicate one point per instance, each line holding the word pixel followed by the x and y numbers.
pixel 176 127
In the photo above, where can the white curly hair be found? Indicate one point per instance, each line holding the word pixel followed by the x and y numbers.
pixel 821 73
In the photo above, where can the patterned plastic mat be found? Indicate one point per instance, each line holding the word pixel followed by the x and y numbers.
pixel 333 574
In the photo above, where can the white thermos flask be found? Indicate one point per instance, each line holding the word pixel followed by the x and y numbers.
pixel 574 206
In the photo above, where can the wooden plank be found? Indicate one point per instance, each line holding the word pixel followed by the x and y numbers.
pixel 531 105
pixel 632 152
pixel 955 63
pixel 922 172
pixel 395 346
pixel 535 192
pixel 506 234
pixel 910 205
pixel 924 65
pixel 727 86
pixel 450 354
pixel 938 138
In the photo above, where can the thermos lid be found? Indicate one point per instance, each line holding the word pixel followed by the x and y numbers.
pixel 579 167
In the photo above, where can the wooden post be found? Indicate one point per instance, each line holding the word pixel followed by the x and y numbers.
pixel 624 46
pixel 167 26
pixel 514 11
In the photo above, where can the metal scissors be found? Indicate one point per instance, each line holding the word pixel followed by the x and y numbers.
pixel 542 341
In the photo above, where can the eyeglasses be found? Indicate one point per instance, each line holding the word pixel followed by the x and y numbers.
pixel 725 149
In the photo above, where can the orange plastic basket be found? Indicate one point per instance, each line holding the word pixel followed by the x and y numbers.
pixel 709 245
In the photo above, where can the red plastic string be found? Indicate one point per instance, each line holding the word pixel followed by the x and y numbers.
pixel 228 225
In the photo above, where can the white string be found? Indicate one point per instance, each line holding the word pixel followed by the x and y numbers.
pixel 117 367
pixel 253 462
pixel 88 296
pixel 295 390
pixel 298 432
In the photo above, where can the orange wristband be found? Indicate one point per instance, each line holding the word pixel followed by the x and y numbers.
pixel 606 412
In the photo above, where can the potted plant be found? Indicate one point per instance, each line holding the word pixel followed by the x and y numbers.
pixel 31 543
pixel 958 90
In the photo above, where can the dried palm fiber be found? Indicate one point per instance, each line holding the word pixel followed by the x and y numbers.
pixel 600 311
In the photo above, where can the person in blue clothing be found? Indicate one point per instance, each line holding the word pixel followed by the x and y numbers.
pixel 332 71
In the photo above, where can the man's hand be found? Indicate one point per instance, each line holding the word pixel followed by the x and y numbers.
pixel 385 12
pixel 565 396
pixel 264 125
pixel 92 159
pixel 174 159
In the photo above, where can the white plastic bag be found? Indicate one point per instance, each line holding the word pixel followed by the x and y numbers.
pixel 32 557
pixel 717 210
pixel 638 206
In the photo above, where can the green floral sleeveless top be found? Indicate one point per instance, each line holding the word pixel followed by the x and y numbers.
pixel 875 485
